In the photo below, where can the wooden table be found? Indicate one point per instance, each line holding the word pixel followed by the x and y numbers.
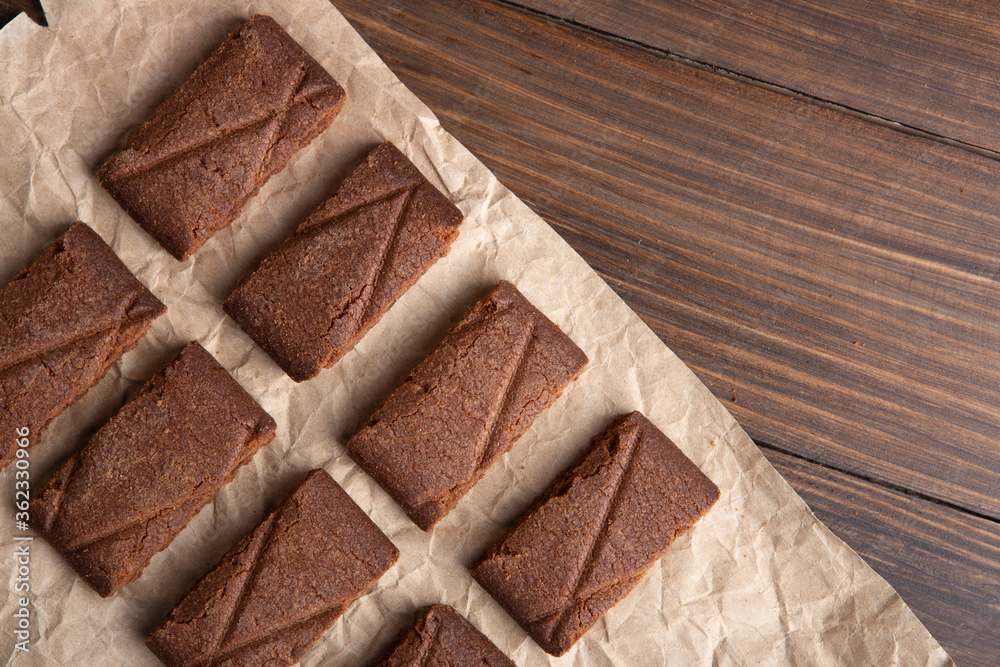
pixel 801 198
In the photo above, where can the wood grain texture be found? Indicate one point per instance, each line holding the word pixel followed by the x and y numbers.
pixel 944 563
pixel 931 64
pixel 11 8
pixel 837 278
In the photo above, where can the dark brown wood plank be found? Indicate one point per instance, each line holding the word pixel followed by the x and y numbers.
pixel 943 562
pixel 931 64
pixel 11 8
pixel 837 278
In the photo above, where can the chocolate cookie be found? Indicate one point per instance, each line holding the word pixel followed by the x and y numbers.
pixel 441 637
pixel 593 535
pixel 278 590
pixel 63 321
pixel 317 295
pixel 187 172
pixel 125 496
pixel 466 404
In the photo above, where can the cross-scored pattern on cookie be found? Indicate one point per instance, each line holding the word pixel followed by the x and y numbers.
pixel 466 404
pixel 318 293
pixel 125 496
pixel 275 592
pixel 188 171
pixel 63 321
pixel 590 539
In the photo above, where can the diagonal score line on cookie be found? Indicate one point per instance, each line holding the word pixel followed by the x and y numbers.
pixel 246 590
pixel 152 515
pixel 249 125
pixel 523 355
pixel 599 533
pixel 485 448
pixel 628 583
pixel 13 360
pixel 326 223
pixel 273 634
pixel 279 119
pixel 90 541
pixel 8 364
pixel 388 253
pixel 365 295
pixel 255 564
pixel 75 461
pixel 602 530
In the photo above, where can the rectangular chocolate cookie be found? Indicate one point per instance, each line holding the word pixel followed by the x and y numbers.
pixel 187 172
pixel 441 637
pixel 125 496
pixel 466 404
pixel 593 535
pixel 279 589
pixel 317 295
pixel 63 321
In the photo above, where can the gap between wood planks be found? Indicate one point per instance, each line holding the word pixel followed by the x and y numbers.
pixel 812 99
pixel 877 482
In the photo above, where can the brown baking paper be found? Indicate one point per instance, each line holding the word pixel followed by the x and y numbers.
pixel 758 581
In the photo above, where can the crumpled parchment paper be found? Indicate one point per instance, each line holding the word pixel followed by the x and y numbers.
pixel 758 581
